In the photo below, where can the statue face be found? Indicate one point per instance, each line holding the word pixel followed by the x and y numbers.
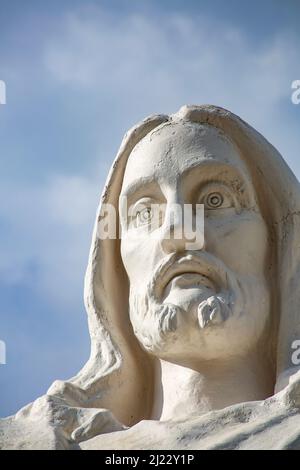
pixel 198 304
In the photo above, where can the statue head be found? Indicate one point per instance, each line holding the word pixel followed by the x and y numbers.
pixel 156 297
pixel 212 301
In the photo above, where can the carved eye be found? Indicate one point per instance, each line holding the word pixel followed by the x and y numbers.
pixel 214 200
pixel 144 216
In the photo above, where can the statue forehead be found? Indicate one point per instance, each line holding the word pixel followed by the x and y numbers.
pixel 172 148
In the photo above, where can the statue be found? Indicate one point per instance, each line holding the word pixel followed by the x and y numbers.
pixel 191 346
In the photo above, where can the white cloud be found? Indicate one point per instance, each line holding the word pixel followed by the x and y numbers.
pixel 141 65
pixel 48 230
pixel 174 60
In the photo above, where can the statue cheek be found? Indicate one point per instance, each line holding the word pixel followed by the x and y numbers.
pixel 139 257
pixel 241 242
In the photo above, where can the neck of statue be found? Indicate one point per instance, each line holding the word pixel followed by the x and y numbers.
pixel 181 390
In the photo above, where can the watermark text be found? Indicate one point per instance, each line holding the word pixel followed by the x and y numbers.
pixel 145 221
pixel 296 94
pixel 2 92
pixel 2 352
pixel 296 353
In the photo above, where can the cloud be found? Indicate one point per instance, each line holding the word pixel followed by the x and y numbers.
pixel 133 65
pixel 48 228
pixel 174 60
pixel 45 237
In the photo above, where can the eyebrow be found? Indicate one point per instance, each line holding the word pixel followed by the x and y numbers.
pixel 211 163
pixel 136 186
pixel 140 184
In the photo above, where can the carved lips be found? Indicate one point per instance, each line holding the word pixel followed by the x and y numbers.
pixel 187 270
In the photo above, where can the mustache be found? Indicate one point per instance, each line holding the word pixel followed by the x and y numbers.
pixel 213 271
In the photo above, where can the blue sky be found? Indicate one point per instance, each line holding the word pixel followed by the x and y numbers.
pixel 78 75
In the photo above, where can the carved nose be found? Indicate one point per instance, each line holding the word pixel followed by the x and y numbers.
pixel 172 230
pixel 175 235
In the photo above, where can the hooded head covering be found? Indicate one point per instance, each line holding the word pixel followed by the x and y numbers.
pixel 118 374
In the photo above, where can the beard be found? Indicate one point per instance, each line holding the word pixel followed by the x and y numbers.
pixel 165 328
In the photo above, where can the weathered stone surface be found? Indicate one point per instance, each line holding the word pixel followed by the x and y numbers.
pixel 272 424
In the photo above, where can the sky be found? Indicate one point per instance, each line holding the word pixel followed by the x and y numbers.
pixel 78 74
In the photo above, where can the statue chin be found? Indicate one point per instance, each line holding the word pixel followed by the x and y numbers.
pixel 205 311
pixel 201 304
pixel 199 324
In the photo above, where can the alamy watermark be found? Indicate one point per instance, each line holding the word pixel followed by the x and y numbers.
pixel 296 354
pixel 2 92
pixel 144 221
pixel 2 352
pixel 295 97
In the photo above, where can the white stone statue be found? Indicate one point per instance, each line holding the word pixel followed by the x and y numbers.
pixel 190 348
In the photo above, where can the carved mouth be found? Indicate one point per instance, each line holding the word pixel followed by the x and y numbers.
pixel 186 267
pixel 190 277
